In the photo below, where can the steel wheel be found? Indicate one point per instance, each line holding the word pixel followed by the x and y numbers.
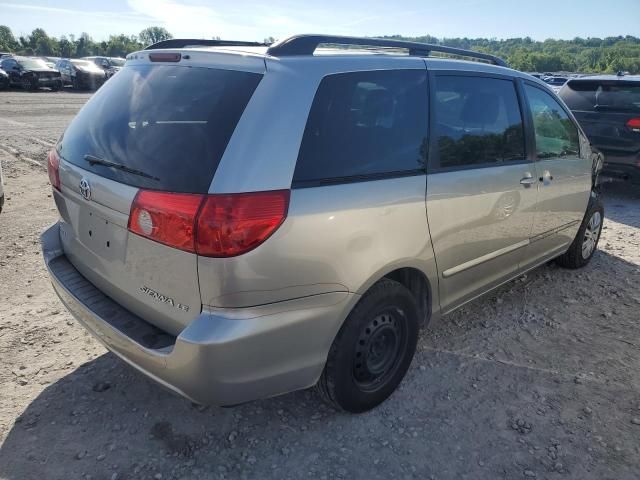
pixel 379 349
pixel 591 234
pixel 372 352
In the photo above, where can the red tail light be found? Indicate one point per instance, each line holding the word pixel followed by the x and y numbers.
pixel 223 225
pixel 634 124
pixel 233 224
pixel 53 168
pixel 167 218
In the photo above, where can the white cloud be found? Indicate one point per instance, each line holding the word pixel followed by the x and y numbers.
pixel 68 11
pixel 181 20
pixel 246 22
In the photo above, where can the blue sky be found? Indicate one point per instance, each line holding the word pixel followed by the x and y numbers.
pixel 251 20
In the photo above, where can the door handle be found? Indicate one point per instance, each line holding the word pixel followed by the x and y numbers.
pixel 527 180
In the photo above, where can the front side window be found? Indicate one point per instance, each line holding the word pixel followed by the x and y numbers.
pixel 363 124
pixel 478 122
pixel 556 134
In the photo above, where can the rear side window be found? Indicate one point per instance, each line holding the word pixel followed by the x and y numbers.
pixel 365 124
pixel 556 134
pixel 592 95
pixel 171 124
pixel 478 121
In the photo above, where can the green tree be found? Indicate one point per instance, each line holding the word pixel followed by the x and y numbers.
pixel 589 55
pixel 39 43
pixel 84 45
pixel 152 35
pixel 66 47
pixel 8 42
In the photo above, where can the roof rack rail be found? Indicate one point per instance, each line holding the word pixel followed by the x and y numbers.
pixel 188 42
pixel 307 44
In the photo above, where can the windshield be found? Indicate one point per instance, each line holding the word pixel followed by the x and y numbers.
pixel 83 64
pixel 173 123
pixel 30 63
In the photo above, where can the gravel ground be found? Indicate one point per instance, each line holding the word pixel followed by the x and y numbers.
pixel 538 379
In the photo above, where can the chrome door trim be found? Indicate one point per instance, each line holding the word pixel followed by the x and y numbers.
pixel 485 258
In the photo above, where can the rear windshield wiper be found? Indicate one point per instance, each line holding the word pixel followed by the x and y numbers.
pixel 118 166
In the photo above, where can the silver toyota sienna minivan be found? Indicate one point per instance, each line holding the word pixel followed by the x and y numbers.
pixel 239 221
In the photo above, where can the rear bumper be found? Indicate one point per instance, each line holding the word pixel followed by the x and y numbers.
pixel 49 82
pixel 225 356
pixel 628 171
pixel 90 81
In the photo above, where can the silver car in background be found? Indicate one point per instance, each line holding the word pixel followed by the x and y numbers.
pixel 110 65
pixel 240 221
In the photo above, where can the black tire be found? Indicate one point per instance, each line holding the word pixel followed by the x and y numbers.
pixel 586 242
pixel 373 350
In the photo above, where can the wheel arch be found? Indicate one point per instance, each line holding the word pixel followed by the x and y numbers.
pixel 421 281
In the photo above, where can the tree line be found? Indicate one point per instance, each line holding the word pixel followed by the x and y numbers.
pixel 38 43
pixel 589 55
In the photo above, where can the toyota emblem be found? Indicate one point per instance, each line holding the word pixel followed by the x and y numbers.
pixel 85 189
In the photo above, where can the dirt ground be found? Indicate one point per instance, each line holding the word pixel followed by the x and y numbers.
pixel 539 379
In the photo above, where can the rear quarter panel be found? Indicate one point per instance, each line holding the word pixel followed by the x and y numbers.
pixel 335 238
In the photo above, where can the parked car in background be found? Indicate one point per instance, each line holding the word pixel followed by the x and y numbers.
pixel 30 73
pixel 111 65
pixel 81 74
pixel 5 54
pixel 555 82
pixel 49 61
pixel 4 79
pixel 608 109
pixel 232 252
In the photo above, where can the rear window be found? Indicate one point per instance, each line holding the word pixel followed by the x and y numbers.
pixel 365 124
pixel 585 95
pixel 171 124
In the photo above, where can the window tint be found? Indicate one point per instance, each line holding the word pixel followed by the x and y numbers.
pixel 590 95
pixel 365 123
pixel 172 123
pixel 478 121
pixel 556 134
pixel 8 64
